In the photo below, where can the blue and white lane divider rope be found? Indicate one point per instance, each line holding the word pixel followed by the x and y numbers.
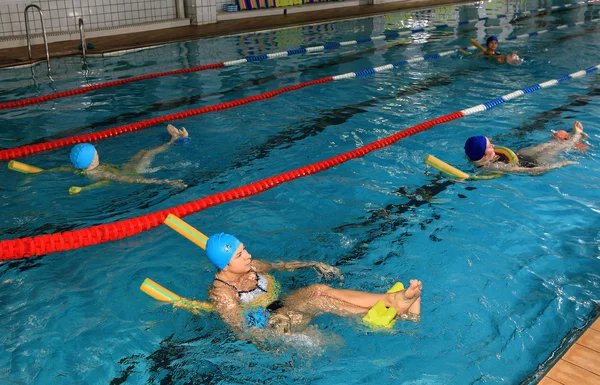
pixel 543 31
pixel 493 103
pixel 442 54
pixel 393 35
pixel 536 11
pixel 81 90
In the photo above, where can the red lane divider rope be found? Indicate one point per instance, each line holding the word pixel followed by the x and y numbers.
pixel 45 244
pixel 17 152
pixel 58 95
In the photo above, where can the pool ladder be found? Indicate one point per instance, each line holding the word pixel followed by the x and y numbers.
pixel 82 35
pixel 43 31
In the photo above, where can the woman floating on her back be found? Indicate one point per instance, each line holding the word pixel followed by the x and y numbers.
pixel 532 160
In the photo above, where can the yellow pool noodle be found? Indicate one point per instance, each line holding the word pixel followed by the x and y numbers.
pixel 380 315
pixel 508 153
pixel 24 168
pixel 186 230
pixel 75 190
pixel 158 292
pixel 476 44
pixel 445 168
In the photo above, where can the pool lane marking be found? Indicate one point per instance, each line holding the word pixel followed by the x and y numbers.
pixel 48 243
pixel 17 152
pixel 306 50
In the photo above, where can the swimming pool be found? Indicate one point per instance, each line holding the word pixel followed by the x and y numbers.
pixel 509 265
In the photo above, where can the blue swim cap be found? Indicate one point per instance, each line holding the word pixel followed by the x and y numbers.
pixel 220 249
pixel 82 155
pixel 475 147
pixel 491 38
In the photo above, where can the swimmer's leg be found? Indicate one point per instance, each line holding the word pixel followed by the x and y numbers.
pixel 545 152
pixel 317 299
pixel 413 313
pixel 140 162
pixel 401 300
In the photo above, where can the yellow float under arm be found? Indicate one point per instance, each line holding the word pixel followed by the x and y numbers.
pixel 476 44
pixel 508 153
pixel 456 173
pixel 76 189
pixel 380 315
pixel 445 167
pixel 158 292
pixel 24 168
pixel 186 230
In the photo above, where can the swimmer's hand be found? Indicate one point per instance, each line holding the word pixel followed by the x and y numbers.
pixel 327 271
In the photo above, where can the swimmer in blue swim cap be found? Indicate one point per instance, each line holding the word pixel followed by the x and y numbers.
pixel 534 160
pixel 492 53
pixel 84 158
pixel 242 284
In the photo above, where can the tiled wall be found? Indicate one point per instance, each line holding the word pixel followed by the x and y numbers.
pixel 201 11
pixel 63 15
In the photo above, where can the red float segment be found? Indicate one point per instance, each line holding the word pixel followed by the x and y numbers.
pixel 17 152
pixel 49 243
pixel 82 90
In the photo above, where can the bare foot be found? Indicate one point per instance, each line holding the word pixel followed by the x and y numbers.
pixel 175 133
pixel 402 300
pixel 577 127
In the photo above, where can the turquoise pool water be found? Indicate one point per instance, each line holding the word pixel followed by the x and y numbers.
pixel 510 266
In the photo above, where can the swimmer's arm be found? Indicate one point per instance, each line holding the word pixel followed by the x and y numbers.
pixel 264 266
pixel 323 268
pixel 60 169
pixel 529 170
pixel 130 179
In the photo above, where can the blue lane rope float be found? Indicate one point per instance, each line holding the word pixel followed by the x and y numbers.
pixel 12 249
pixel 250 59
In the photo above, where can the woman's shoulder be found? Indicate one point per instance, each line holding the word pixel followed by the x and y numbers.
pixel 219 290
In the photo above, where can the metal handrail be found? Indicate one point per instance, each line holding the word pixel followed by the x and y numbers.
pixel 82 35
pixel 43 31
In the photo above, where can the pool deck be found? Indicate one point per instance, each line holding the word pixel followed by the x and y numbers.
pixel 580 365
pixel 19 56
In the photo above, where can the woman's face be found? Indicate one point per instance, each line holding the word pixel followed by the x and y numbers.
pixel 95 162
pixel 489 154
pixel 240 261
